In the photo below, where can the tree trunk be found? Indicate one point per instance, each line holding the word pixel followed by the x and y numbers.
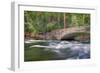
pixel 64 20
pixel 83 19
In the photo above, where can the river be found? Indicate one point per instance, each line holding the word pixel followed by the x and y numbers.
pixel 62 49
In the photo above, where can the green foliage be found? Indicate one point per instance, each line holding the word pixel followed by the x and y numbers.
pixel 40 22
pixel 52 26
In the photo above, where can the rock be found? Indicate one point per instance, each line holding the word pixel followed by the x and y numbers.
pixel 83 37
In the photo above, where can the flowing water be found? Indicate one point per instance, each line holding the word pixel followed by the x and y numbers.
pixel 63 49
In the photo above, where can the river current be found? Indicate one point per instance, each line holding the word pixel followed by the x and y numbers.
pixel 65 49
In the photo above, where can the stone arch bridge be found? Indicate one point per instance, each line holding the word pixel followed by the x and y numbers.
pixel 60 34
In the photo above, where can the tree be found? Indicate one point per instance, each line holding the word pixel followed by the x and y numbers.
pixel 65 20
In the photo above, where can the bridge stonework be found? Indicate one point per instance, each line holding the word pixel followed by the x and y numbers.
pixel 59 34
